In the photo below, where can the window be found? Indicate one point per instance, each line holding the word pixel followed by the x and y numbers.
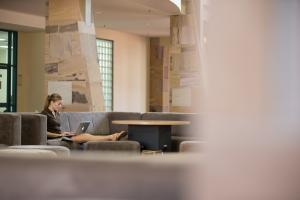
pixel 105 60
pixel 8 70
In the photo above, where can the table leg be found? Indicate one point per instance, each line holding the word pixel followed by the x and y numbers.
pixel 151 137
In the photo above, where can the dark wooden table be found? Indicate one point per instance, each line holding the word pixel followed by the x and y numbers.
pixel 151 134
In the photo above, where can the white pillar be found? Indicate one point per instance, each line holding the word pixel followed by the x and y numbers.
pixel 88 12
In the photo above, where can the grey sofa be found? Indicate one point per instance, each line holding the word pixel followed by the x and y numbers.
pixel 100 125
pixel 33 128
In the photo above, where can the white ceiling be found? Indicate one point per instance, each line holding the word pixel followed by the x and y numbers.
pixel 35 7
pixel 143 17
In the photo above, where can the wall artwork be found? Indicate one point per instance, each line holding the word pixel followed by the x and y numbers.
pixel 181 96
pixel 64 88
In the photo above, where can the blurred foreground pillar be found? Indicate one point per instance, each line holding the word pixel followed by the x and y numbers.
pixel 251 81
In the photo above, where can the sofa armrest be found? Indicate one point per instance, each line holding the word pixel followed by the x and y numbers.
pixel 34 129
pixel 120 146
pixel 10 132
pixel 191 146
pixel 176 140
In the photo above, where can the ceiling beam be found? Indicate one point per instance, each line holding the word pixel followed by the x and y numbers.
pixel 21 21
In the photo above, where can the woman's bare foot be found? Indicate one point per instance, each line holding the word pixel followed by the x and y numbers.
pixel 118 136
pixel 114 136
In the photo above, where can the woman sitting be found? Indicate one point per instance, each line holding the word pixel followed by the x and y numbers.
pixel 52 107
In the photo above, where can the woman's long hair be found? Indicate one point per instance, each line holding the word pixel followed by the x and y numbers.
pixel 53 97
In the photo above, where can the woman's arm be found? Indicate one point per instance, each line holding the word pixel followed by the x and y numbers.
pixel 57 135
pixel 53 135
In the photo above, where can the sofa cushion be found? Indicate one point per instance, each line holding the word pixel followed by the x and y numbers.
pixel 99 121
pixel 69 145
pixel 64 121
pixel 192 130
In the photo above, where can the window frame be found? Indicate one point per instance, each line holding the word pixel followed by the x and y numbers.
pixel 112 72
pixel 12 69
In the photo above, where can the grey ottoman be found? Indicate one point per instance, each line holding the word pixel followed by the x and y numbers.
pixel 31 153
pixel 58 150
pixel 114 146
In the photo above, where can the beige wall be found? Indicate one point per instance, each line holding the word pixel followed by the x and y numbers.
pixel 130 70
pixel 30 90
pixel 131 62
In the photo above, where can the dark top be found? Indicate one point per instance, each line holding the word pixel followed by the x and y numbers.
pixel 53 122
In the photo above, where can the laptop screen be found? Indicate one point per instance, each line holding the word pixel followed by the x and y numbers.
pixel 83 126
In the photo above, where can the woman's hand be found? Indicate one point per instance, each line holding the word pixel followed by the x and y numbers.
pixel 53 135
pixel 67 134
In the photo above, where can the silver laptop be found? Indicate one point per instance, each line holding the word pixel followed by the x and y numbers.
pixel 83 126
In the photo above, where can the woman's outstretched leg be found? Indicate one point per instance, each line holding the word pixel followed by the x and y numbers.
pixel 86 137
